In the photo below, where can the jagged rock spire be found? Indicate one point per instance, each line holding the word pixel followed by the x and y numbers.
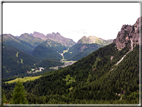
pixel 129 33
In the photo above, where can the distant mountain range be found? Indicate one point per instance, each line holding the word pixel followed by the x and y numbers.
pixel 49 46
pixel 55 37
pixel 38 47
pixel 27 42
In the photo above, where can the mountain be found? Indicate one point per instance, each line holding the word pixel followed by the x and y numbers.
pixel 48 49
pixel 55 37
pixel 109 75
pixel 57 46
pixel 85 46
pixel 39 35
pixel 90 80
pixel 29 38
pixel 17 43
pixel 93 79
pixel 94 39
pixel 128 34
pixel 15 61
pixel 27 42
pixel 80 50
pixel 58 38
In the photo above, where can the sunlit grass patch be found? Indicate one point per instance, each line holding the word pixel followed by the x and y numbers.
pixel 69 80
pixel 24 79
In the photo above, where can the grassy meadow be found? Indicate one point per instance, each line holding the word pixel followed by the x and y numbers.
pixel 24 79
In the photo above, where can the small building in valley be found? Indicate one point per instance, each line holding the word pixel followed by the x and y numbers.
pixel 41 68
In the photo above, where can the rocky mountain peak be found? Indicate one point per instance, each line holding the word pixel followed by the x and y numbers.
pixel 127 34
pixel 83 40
pixel 39 35
pixel 93 39
pixel 57 37
pixel 58 33
pixel 24 34
pixel 84 37
pixel 53 33
pixel 8 37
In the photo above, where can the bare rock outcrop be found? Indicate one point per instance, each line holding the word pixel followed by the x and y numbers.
pixel 57 37
pixel 128 33
pixel 39 35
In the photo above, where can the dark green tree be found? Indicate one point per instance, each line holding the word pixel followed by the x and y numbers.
pixel 4 100
pixel 19 94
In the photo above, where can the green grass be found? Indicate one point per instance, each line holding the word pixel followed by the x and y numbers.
pixel 97 59
pixel 69 80
pixel 24 79
pixel 69 61
pixel 17 54
pixel 65 51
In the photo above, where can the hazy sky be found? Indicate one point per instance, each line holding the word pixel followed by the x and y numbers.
pixel 71 20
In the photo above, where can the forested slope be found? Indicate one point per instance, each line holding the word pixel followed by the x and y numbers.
pixel 79 51
pixel 17 43
pixel 89 80
pixel 15 61
pixel 48 49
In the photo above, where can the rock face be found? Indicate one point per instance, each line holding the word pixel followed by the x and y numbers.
pixel 127 34
pixel 55 37
pixel 33 40
pixel 39 35
pixel 59 38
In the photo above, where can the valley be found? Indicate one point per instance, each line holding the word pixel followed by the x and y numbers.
pixel 66 63
pixel 91 71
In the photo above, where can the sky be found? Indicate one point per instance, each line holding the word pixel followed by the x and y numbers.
pixel 71 20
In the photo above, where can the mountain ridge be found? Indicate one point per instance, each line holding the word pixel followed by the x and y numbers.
pixel 57 37
pixel 80 50
pixel 17 43
pixel 94 39
pixel 31 39
pixel 47 49
pixel 128 34
pixel 15 61
pixel 85 46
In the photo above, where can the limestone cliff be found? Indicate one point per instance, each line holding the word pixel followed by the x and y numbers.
pixel 129 33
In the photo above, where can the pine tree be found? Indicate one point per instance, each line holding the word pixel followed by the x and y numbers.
pixel 4 100
pixel 19 94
